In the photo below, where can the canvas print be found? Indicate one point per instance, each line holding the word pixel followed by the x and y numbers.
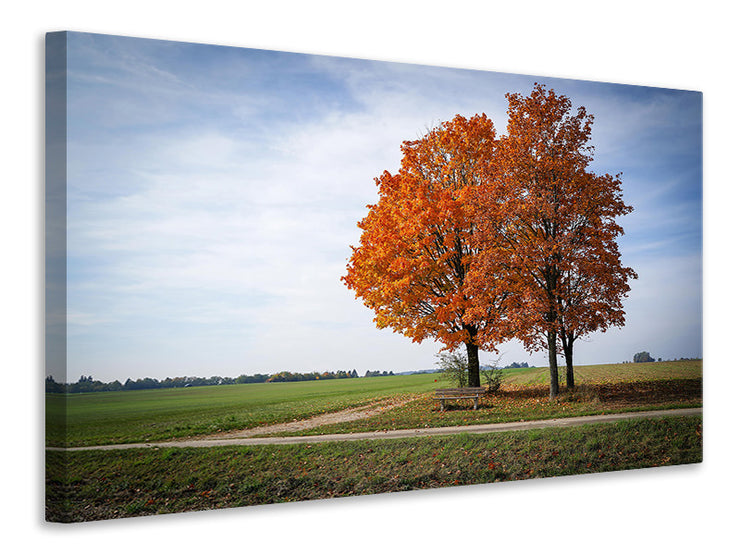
pixel 274 277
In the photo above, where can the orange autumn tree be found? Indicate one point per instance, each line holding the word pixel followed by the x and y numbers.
pixel 548 229
pixel 594 281
pixel 418 241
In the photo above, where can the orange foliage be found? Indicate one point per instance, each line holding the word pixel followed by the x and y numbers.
pixel 418 241
pixel 477 240
pixel 551 224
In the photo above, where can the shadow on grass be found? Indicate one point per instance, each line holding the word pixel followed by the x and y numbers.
pixel 619 394
pixel 650 392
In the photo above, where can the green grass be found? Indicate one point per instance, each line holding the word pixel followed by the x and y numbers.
pixel 612 373
pixel 93 485
pixel 527 403
pixel 157 414
pixel 160 414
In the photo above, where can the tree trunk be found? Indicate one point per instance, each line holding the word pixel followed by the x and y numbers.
pixel 551 317
pixel 473 365
pixel 568 341
pixel 552 348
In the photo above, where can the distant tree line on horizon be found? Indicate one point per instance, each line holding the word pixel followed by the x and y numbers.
pixel 518 365
pixel 87 384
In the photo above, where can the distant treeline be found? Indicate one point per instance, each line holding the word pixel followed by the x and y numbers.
pixel 88 384
pixel 644 356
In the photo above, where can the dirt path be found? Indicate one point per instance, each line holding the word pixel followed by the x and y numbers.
pixel 394 434
pixel 347 415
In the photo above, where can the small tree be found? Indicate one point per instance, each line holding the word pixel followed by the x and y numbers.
pixel 493 375
pixel 454 366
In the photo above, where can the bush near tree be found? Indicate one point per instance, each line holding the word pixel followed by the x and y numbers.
pixel 454 367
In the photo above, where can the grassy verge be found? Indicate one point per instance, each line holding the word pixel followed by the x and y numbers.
pixel 93 485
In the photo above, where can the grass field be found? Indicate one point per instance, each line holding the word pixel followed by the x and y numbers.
pixel 160 414
pixel 92 485
pixel 157 414
pixel 515 403
pixel 611 373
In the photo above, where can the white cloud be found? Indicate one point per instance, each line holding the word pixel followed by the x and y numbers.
pixel 220 244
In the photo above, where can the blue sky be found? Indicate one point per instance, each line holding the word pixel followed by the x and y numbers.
pixel 213 194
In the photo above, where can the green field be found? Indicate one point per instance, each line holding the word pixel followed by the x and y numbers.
pixel 96 484
pixel 157 414
pixel 611 373
pixel 93 485
pixel 160 414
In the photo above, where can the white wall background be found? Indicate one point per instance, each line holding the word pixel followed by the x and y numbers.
pixel 680 510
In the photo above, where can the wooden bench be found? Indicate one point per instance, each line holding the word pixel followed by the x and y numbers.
pixel 451 393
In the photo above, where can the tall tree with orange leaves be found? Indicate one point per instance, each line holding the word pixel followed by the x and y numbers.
pixel 548 229
pixel 418 241
pixel 594 280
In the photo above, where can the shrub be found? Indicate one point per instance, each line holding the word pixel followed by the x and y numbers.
pixel 493 375
pixel 454 368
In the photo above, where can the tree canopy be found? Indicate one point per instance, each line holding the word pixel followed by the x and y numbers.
pixel 477 240
pixel 418 241
pixel 549 230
